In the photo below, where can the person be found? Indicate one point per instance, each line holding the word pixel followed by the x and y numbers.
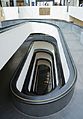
pixel 7 4
pixel 46 4
pixel 81 5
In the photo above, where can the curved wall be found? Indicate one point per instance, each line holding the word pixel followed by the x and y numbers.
pixel 16 40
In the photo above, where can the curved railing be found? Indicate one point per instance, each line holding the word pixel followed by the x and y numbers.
pixel 43 82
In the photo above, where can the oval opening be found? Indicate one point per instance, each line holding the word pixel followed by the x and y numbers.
pixel 41 75
pixel 42 71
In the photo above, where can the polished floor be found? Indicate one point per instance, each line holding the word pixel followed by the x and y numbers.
pixel 74 110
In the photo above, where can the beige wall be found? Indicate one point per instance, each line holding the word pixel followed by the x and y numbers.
pixel 1 14
pixel 76 21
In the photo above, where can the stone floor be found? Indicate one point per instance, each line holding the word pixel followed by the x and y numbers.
pixel 74 110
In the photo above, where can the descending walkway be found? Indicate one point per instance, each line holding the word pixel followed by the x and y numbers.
pixel 74 110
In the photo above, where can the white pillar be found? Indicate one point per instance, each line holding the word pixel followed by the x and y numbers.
pixel 77 3
pixel 14 2
pixel 30 2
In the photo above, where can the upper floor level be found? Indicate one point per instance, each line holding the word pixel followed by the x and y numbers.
pixel 8 3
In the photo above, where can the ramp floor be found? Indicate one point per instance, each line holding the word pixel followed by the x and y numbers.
pixel 74 110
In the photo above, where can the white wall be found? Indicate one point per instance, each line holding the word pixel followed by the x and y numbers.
pixel 59 12
pixel 10 13
pixel 10 41
pixel 56 12
pixel 28 12
pixel 76 12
